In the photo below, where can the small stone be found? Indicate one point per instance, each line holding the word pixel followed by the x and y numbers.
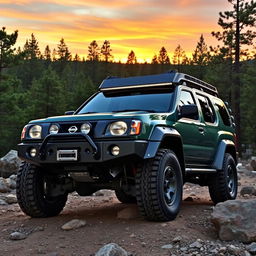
pixel 234 250
pixel 183 249
pixel 132 235
pixel 11 199
pixel 250 190
pixel 17 236
pixel 4 188
pixel 251 248
pixel 130 212
pixel 196 244
pixel 167 246
pixel 163 224
pixel 11 183
pixel 111 249
pixel 73 224
pixel 223 249
pixel 177 239
pixel 104 192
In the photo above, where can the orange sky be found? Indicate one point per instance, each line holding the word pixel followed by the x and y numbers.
pixel 143 26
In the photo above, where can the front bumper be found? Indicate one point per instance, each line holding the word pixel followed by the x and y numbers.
pixel 88 151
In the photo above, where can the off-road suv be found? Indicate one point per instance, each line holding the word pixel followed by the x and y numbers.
pixel 142 136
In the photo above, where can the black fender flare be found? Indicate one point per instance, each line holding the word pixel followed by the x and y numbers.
pixel 224 146
pixel 157 136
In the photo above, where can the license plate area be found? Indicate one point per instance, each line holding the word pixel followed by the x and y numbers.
pixel 67 155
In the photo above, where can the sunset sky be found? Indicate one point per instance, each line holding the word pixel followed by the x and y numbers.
pixel 143 26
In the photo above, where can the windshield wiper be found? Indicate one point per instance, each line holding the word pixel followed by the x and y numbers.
pixel 132 110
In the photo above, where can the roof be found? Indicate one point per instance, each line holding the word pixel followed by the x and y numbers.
pixel 160 80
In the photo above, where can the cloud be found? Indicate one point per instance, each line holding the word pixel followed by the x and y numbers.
pixel 142 25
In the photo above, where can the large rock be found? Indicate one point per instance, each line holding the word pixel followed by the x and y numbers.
pixel 9 164
pixel 235 220
pixel 111 249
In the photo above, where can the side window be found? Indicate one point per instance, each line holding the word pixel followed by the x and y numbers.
pixel 207 109
pixel 223 112
pixel 186 98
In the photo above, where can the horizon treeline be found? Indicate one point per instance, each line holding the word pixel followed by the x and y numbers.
pixel 36 84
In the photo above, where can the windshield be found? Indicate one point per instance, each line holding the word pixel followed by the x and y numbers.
pixel 150 102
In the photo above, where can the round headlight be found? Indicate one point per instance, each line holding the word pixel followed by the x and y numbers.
pixel 35 132
pixel 118 128
pixel 54 129
pixel 85 128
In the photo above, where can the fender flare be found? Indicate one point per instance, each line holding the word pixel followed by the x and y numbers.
pixel 157 136
pixel 223 147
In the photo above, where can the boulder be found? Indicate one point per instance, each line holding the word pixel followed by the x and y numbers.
pixel 9 164
pixel 111 249
pixel 235 220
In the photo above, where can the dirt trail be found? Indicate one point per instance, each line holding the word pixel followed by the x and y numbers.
pixel 136 235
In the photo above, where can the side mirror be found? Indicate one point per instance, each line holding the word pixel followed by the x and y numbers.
pixel 189 111
pixel 70 112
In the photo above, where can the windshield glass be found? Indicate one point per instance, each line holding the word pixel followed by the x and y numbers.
pixel 150 102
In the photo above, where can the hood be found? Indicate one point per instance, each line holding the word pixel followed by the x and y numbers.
pixel 93 116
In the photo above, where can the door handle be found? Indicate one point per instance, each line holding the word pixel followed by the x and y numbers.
pixel 201 130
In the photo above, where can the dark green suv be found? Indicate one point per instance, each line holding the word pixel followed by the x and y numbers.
pixel 142 136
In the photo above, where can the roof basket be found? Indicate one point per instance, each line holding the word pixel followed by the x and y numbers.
pixel 155 81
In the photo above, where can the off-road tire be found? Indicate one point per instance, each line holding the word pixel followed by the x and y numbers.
pixel 151 183
pixel 222 185
pixel 31 196
pixel 125 198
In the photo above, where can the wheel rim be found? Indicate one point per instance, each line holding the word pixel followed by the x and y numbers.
pixel 170 185
pixel 231 180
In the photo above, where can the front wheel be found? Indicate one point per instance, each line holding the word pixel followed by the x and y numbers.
pixel 32 193
pixel 223 186
pixel 159 187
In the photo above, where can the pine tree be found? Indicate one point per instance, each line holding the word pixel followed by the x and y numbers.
pixel 63 51
pixel 54 54
pixel 47 53
pixel 106 51
pixel 131 59
pixel 7 41
pixel 93 51
pixel 76 58
pixel 163 57
pixel 154 60
pixel 31 48
pixel 236 32
pixel 179 56
pixel 201 54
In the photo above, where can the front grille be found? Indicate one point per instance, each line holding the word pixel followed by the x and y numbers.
pixel 65 126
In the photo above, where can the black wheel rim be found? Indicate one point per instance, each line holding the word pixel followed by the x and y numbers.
pixel 170 185
pixel 231 180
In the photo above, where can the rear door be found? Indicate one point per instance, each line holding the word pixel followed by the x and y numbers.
pixel 210 129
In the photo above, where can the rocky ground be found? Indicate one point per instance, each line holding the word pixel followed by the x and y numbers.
pixel 100 219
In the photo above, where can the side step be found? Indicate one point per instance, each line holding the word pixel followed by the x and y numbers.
pixel 199 170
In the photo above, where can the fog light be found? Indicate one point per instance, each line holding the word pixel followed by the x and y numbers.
pixel 115 151
pixel 33 152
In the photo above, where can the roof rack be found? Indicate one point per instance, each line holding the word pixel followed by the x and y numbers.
pixel 156 81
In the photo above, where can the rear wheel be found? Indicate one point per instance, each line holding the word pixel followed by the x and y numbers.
pixel 32 196
pixel 159 187
pixel 223 186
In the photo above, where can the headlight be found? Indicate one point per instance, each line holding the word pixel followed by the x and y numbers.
pixel 35 132
pixel 23 133
pixel 54 129
pixel 85 128
pixel 118 128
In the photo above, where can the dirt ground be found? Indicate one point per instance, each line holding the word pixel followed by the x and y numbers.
pixel 137 236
